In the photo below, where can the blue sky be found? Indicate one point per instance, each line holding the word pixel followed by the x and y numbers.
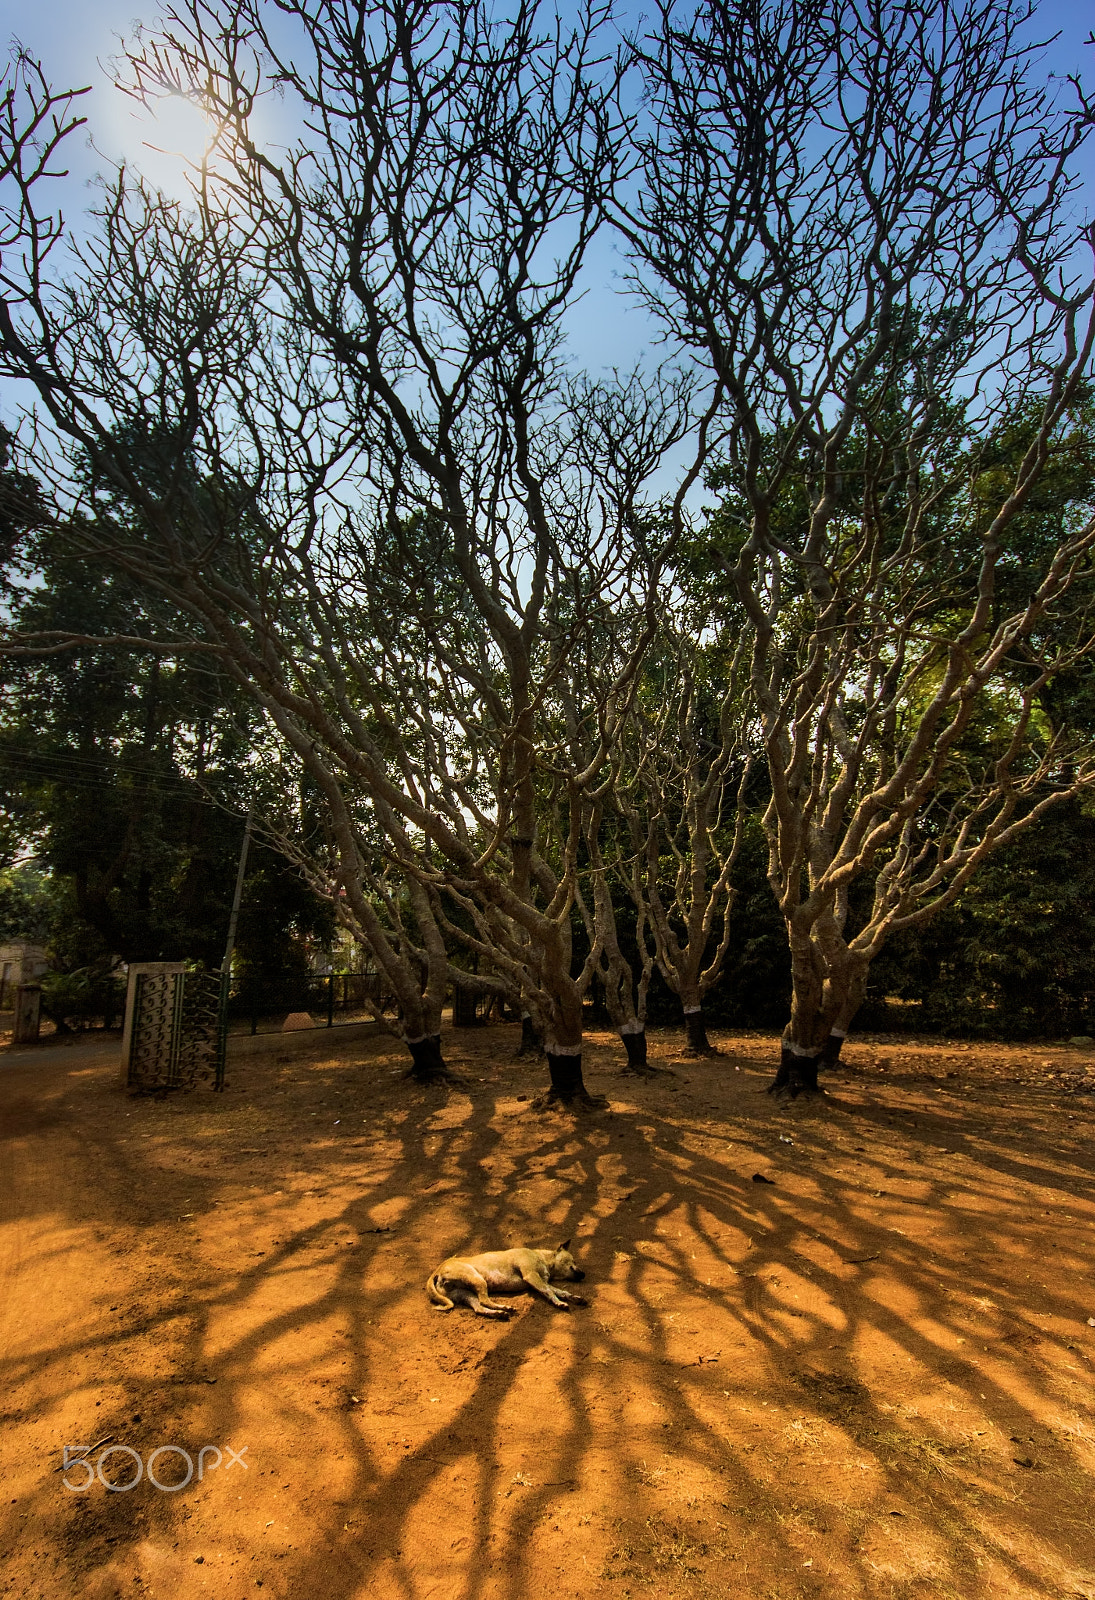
pixel 74 39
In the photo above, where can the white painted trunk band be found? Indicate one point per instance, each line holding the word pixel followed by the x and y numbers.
pixel 526 1016
pixel 801 1050
pixel 634 1026
pixel 692 1011
pixel 838 1033
pixel 421 1039
pixel 563 1049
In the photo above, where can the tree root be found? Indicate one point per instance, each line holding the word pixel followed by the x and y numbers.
pixel 791 1091
pixel 578 1102
pixel 445 1075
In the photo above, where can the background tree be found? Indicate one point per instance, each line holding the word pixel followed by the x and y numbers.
pixel 1011 957
pixel 24 904
pixel 128 775
pixel 684 799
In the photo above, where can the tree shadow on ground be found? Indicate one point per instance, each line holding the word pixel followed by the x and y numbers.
pixel 867 1376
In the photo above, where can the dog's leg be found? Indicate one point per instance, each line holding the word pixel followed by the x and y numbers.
pixel 479 1297
pixel 540 1285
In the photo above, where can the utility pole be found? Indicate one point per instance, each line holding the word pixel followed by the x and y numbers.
pixel 226 964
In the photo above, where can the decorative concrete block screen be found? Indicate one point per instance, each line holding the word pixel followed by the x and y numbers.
pixel 174 1028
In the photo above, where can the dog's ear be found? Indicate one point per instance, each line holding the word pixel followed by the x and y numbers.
pixel 564 1246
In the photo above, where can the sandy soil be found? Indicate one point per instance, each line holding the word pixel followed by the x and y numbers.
pixel 870 1376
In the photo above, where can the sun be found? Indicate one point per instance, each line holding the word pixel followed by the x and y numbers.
pixel 177 129
pixel 165 141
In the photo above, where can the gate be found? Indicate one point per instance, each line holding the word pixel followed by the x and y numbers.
pixel 175 1027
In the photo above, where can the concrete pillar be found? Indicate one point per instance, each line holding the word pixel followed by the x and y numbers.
pixel 28 1013
pixel 139 969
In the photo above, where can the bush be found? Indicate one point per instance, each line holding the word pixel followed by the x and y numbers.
pixel 81 998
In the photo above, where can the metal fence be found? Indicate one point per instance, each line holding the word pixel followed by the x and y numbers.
pixel 264 1003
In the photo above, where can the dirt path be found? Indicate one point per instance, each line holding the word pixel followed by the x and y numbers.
pixel 869 1377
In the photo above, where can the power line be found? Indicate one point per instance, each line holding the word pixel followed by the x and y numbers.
pixel 56 769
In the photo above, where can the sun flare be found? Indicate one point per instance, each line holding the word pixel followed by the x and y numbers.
pixel 177 128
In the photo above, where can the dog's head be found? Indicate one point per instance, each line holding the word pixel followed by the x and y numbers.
pixel 563 1265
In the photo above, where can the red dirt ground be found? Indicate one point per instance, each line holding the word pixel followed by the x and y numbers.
pixel 871 1377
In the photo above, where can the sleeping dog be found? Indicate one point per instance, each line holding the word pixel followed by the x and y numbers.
pixel 471 1280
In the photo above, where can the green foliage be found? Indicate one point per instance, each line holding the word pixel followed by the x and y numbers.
pixel 25 912
pixel 1013 958
pixel 128 772
pixel 281 924
pixel 82 997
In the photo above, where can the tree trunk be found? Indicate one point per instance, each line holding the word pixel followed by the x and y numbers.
pixel 428 1064
pixel 799 1068
pixel 634 1042
pixel 567 1084
pixel 695 1027
pixel 830 1050
pixel 635 1045
pixel 610 964
pixel 797 1073
pixel 531 1042
pixel 828 984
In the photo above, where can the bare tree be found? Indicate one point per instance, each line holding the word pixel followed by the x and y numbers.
pixel 682 793
pixel 858 218
pixel 624 993
pixel 376 491
pixel 35 122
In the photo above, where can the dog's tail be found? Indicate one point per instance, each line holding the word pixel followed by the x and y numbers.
pixel 437 1294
